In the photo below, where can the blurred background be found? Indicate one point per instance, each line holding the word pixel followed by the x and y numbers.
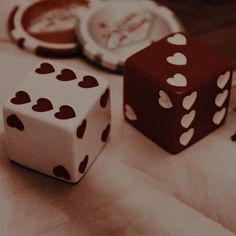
pixel 211 21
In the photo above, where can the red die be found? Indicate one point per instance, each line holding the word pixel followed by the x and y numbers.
pixel 176 91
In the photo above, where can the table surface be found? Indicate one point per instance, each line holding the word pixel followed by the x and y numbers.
pixel 134 187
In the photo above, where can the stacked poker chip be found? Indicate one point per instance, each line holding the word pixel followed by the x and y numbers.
pixel 46 27
pixel 107 32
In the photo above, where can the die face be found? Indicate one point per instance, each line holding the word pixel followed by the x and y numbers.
pixel 171 65
pixel 146 110
pixel 56 121
pixel 58 94
pixel 207 113
pixel 38 145
pixel 218 102
pixel 91 136
pixel 176 111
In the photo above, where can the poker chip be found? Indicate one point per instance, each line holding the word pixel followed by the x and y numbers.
pixel 47 27
pixel 111 31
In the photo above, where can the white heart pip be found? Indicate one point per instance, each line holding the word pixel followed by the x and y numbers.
pixel 223 79
pixel 164 100
pixel 189 100
pixel 219 116
pixel 178 59
pixel 186 137
pixel 221 97
pixel 129 113
pixel 178 80
pixel 187 119
pixel 177 39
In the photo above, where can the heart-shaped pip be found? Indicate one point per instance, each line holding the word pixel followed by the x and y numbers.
pixel 43 105
pixel 219 116
pixel 189 100
pixel 83 165
pixel 178 59
pixel 105 133
pixel 223 79
pixel 45 68
pixel 129 113
pixel 81 129
pixel 187 119
pixel 65 112
pixel 88 82
pixel 221 97
pixel 164 100
pixel 20 98
pixel 14 122
pixel 177 39
pixel 186 137
pixel 178 80
pixel 104 99
pixel 66 75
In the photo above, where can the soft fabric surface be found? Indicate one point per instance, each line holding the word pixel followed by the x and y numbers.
pixel 134 187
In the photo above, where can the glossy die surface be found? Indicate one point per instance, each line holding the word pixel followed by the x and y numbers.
pixel 176 91
pixel 57 121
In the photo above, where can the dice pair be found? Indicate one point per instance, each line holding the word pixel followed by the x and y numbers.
pixel 58 121
pixel 176 91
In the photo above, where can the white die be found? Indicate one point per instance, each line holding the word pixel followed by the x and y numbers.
pixel 58 121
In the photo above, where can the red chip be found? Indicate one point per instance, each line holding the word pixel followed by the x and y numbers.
pixel 47 27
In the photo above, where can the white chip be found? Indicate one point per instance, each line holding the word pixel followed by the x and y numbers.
pixel 118 29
